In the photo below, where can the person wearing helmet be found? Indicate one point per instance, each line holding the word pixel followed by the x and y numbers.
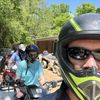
pixel 30 70
pixel 18 55
pixel 78 53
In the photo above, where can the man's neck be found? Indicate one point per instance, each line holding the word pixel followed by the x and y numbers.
pixel 71 95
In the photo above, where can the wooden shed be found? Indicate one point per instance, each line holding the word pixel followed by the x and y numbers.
pixel 47 43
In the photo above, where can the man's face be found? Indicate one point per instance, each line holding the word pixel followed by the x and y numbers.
pixel 33 55
pixel 84 54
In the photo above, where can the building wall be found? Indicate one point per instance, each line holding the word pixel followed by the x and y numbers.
pixel 47 44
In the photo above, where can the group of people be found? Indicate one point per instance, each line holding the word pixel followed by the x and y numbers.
pixel 28 67
pixel 78 53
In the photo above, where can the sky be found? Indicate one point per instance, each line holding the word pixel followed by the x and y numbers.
pixel 74 3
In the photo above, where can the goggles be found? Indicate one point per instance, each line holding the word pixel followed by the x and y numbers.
pixel 31 55
pixel 79 53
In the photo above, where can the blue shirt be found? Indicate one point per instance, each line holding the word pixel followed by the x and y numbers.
pixel 15 58
pixel 34 71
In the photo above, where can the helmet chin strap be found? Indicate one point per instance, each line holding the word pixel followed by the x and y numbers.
pixel 91 87
pixel 88 85
pixel 91 90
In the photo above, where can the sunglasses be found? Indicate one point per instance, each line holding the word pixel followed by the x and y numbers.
pixel 83 53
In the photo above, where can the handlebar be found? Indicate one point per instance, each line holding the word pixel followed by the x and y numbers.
pixel 49 84
pixel 53 83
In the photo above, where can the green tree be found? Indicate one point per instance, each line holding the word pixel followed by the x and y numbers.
pixel 98 10
pixel 7 14
pixel 85 8
pixel 17 21
pixel 21 20
pixel 60 15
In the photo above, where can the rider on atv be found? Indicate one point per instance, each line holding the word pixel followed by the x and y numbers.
pixel 30 71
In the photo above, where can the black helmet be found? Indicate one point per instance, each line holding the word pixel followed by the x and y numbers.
pixel 31 48
pixel 85 26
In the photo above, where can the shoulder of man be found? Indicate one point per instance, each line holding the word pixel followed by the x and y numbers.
pixel 60 94
pixel 13 57
pixel 52 96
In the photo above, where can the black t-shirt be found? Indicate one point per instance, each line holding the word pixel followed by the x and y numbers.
pixel 60 94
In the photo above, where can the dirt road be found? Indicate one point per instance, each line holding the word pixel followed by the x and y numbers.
pixel 49 75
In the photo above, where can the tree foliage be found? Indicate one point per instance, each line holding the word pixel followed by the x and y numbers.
pixel 98 10
pixel 60 15
pixel 15 21
pixel 23 20
pixel 85 8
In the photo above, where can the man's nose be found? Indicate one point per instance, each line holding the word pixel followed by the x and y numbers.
pixel 90 63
